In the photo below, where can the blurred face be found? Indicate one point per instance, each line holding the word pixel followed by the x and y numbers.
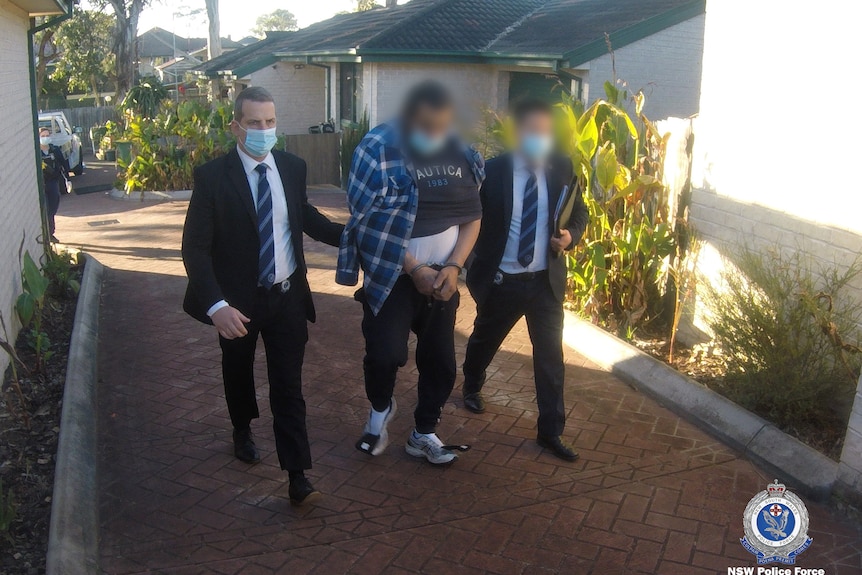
pixel 535 133
pixel 255 129
pixel 430 128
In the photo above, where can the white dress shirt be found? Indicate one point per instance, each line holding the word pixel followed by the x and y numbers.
pixel 285 258
pixel 510 264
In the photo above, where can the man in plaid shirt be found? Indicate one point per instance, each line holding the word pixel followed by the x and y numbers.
pixel 414 203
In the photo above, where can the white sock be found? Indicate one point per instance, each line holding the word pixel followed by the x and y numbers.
pixel 376 419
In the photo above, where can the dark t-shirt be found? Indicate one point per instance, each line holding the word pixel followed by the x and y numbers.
pixel 448 192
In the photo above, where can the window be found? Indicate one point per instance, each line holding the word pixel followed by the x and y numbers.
pixel 350 81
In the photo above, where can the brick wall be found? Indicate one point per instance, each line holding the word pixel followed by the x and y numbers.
pixel 477 86
pixel 300 94
pixel 19 194
pixel 666 65
pixel 770 168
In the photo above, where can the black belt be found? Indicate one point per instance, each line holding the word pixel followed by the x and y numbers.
pixel 283 286
pixel 522 277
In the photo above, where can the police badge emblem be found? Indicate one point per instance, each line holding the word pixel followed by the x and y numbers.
pixel 776 526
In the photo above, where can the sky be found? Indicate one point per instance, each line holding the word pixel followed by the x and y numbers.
pixel 237 16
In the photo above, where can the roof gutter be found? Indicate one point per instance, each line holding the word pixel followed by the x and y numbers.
pixel 34 108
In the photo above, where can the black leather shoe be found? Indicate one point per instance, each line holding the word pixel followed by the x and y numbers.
pixel 474 402
pixel 243 446
pixel 301 491
pixel 559 448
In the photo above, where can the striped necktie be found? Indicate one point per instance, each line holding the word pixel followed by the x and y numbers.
pixel 529 217
pixel 266 256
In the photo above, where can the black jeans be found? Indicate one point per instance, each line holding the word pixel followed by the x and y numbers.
pixel 280 319
pixel 501 309
pixel 52 201
pixel 386 336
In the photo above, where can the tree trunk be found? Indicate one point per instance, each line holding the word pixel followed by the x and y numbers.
pixel 42 63
pixel 214 42
pixel 128 12
pixel 94 84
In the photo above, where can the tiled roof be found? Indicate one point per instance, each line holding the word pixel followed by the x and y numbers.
pixel 455 25
pixel 481 28
pixel 158 42
pixel 564 25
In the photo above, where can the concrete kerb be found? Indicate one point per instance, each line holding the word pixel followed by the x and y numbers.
pixel 800 466
pixel 74 531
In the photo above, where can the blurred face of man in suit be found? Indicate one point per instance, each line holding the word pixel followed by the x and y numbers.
pixel 252 116
pixel 535 135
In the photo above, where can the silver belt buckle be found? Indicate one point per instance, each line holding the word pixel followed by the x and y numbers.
pixel 285 286
pixel 498 279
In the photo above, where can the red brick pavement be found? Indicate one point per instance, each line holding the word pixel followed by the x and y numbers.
pixel 650 494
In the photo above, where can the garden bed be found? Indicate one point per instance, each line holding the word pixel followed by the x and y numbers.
pixel 708 368
pixel 29 432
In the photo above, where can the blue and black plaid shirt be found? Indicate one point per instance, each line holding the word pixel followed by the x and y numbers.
pixel 382 195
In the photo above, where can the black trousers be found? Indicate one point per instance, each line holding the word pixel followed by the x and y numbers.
pixel 52 202
pixel 498 313
pixel 280 319
pixel 386 336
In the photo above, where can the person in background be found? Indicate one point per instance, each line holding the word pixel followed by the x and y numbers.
pixel 55 170
pixel 242 249
pixel 414 204
pixel 519 269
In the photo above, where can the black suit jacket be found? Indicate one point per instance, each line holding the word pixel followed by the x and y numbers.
pixel 497 197
pixel 220 237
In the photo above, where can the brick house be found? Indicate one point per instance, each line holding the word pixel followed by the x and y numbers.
pixel 19 172
pixel 490 51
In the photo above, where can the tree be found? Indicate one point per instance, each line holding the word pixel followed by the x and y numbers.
pixel 127 13
pixel 365 5
pixel 84 45
pixel 46 54
pixel 278 20
pixel 214 41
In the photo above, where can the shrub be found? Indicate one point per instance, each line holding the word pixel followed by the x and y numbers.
pixel 782 325
pixel 145 98
pixel 167 148
pixel 350 138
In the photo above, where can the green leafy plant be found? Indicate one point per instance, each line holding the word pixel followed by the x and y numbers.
pixel 786 329
pixel 618 277
pixel 350 138
pixel 167 147
pixel 61 269
pixel 30 307
pixel 145 98
pixel 8 510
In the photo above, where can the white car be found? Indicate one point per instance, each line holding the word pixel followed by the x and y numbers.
pixel 65 137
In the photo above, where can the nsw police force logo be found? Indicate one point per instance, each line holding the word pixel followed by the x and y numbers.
pixel 776 526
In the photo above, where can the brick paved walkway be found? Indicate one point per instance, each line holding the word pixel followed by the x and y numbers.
pixel 650 494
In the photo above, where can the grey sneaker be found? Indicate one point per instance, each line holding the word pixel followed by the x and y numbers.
pixel 376 444
pixel 430 447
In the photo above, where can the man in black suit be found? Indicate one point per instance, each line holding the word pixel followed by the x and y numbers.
pixel 519 269
pixel 242 248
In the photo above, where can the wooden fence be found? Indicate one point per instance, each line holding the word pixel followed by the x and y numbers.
pixel 322 152
pixel 87 118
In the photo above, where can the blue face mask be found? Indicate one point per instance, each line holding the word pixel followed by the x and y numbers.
pixel 258 143
pixel 536 147
pixel 426 145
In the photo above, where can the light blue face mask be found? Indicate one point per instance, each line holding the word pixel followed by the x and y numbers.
pixel 537 147
pixel 258 143
pixel 426 145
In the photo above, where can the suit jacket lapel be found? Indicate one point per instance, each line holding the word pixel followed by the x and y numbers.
pixel 508 190
pixel 553 191
pixel 240 184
